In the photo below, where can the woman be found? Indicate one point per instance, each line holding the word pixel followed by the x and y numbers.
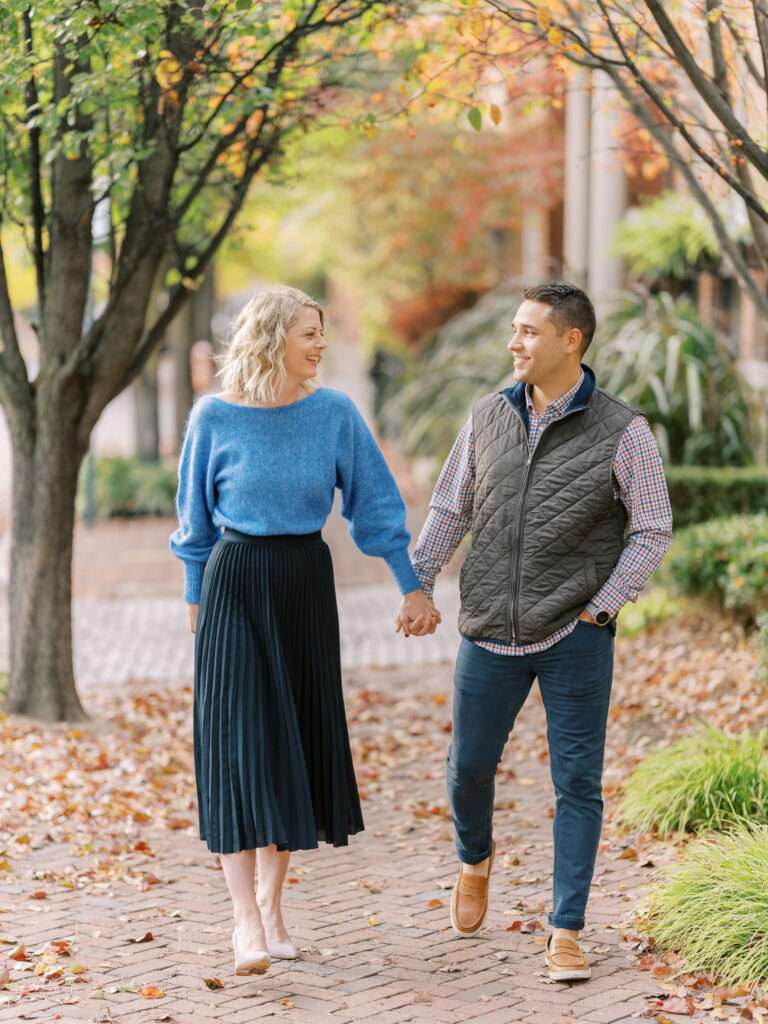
pixel 258 470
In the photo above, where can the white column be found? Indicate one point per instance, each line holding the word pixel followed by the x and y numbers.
pixel 576 209
pixel 607 191
pixel 534 245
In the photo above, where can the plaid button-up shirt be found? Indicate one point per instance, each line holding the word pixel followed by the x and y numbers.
pixel 639 484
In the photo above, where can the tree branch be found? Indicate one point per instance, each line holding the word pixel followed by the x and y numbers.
pixel 727 244
pixel 761 24
pixel 38 207
pixel 15 389
pixel 180 292
pixel 749 197
pixel 707 89
pixel 743 49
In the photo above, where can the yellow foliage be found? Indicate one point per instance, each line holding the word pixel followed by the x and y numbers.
pixel 555 36
pixel 253 123
pixel 543 18
pixel 168 72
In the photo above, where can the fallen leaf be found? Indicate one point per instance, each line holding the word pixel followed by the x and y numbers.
pixel 19 953
pixel 146 937
pixel 433 904
pixel 373 921
pixel 214 983
pixel 531 926
pixel 41 894
pixel 151 992
pixel 178 823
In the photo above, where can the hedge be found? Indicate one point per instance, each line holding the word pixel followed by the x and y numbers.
pixel 699 493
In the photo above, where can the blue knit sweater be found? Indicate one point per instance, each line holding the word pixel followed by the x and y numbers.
pixel 273 471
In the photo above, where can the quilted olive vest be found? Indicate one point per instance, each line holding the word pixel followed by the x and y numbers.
pixel 546 528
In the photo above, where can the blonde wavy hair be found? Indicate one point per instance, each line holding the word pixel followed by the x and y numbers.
pixel 253 367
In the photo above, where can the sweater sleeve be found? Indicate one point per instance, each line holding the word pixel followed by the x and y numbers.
pixel 371 500
pixel 196 535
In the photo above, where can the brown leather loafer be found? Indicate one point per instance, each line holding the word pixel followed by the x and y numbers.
pixel 565 961
pixel 469 900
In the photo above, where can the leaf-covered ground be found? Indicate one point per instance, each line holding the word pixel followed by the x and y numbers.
pixel 90 814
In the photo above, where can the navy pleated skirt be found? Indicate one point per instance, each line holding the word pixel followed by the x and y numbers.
pixel 272 757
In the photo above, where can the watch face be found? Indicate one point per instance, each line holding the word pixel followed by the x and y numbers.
pixel 602 618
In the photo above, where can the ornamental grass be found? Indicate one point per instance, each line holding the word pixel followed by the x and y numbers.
pixel 712 906
pixel 707 781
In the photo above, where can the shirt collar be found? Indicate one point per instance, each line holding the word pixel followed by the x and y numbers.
pixel 558 407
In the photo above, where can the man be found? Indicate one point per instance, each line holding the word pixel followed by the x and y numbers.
pixel 562 488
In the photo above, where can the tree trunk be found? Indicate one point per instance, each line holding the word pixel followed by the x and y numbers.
pixel 146 409
pixel 192 324
pixel 181 337
pixel 43 515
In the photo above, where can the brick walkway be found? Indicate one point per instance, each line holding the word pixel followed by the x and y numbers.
pixel 371 919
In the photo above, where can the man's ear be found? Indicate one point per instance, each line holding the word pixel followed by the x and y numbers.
pixel 574 341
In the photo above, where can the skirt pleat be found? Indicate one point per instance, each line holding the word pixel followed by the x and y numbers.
pixel 272 756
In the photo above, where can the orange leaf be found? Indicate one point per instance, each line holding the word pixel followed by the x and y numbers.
pixel 495 113
pixel 434 903
pixel 151 992
pixel 40 895
pixel 214 983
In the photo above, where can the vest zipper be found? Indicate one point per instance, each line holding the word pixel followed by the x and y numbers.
pixel 515 596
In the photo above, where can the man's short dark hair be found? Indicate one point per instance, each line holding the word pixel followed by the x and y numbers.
pixel 571 307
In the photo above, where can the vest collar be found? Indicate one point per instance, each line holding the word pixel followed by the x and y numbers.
pixel 516 395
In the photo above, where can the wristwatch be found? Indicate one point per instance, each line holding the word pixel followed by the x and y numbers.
pixel 602 618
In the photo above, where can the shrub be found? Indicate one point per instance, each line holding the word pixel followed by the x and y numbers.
pixel 712 906
pixel 746 588
pixel 762 643
pixel 699 493
pixel 654 606
pixel 129 487
pixel 655 353
pixel 666 237
pixel 709 780
pixel 701 556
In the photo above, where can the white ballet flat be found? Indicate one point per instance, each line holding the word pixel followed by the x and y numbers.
pixel 249 960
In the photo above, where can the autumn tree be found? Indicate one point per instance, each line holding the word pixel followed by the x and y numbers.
pixel 156 117
pixel 694 74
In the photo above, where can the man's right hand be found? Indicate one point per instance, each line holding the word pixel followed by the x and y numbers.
pixel 192 609
pixel 417 615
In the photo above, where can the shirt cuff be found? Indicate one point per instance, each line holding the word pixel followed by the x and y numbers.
pixel 402 569
pixel 607 599
pixel 193 581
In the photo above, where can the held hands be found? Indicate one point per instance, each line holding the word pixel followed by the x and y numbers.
pixel 417 615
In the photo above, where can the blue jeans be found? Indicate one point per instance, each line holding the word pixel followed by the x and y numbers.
pixel 489 690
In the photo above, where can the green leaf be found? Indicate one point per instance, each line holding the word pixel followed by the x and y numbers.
pixel 173 277
pixel 475 118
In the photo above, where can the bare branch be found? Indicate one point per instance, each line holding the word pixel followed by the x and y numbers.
pixel 749 197
pixel 761 24
pixel 707 89
pixel 727 244
pixel 744 50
